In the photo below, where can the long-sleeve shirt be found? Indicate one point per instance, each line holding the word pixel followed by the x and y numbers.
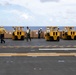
pixel 2 31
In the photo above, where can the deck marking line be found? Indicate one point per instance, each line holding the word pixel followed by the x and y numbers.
pixel 37 54
pixel 45 49
pixel 49 46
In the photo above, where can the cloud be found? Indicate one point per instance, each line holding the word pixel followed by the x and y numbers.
pixel 22 15
pixel 49 0
pixel 4 3
pixel 46 12
pixel 51 19
pixel 25 16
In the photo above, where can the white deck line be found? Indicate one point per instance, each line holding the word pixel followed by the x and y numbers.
pixel 44 49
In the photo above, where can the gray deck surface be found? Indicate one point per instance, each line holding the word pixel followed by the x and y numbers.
pixel 33 65
pixel 33 46
pixel 37 65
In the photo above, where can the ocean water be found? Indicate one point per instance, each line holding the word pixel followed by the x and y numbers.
pixel 32 28
pixel 9 28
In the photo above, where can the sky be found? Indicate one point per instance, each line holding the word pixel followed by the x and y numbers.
pixel 38 12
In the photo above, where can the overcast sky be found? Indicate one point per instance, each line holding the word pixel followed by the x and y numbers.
pixel 38 12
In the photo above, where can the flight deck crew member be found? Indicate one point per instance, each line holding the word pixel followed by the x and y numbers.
pixel 65 31
pixel 28 34
pixel 39 33
pixel 2 31
pixel 48 31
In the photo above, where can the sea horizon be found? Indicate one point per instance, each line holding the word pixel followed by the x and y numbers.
pixel 9 28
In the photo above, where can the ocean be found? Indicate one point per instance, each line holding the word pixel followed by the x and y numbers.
pixel 9 28
pixel 32 28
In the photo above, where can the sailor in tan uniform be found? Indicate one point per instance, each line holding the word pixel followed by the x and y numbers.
pixel 2 31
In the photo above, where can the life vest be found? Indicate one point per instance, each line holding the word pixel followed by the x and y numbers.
pixel 28 31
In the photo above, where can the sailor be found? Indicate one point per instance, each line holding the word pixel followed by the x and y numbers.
pixel 39 33
pixel 28 34
pixel 2 31
pixel 48 31
pixel 65 31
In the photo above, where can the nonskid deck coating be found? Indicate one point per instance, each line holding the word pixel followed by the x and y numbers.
pixel 38 43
